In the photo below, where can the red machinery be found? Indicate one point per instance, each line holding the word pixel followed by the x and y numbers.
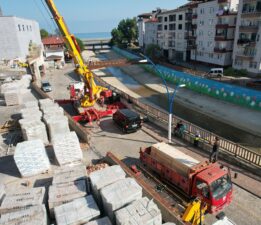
pixel 210 182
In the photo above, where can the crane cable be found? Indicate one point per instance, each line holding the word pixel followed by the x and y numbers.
pixel 44 17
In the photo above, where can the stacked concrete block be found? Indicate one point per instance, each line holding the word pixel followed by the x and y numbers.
pixel 33 129
pixel 45 103
pixel 31 104
pixel 66 192
pixel 102 221
pixel 31 158
pixel 54 110
pixel 104 177
pixel 120 194
pixel 79 211
pixel 21 199
pixel 67 148
pixel 29 216
pixel 69 174
pixel 142 211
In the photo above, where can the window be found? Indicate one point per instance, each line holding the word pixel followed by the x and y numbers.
pixel 209 43
pixel 23 27
pixel 210 55
pixel 201 11
pixel 200 43
pixel 165 27
pixel 30 28
pixel 19 27
pixel 211 10
pixel 200 33
pixel 27 27
pixel 210 33
pixel 172 26
pixel 159 27
pixel 257 37
pixel 180 17
pixel 166 19
pixel 180 26
pixel 238 62
pixel 160 19
pixel 210 21
pixel 253 65
pixel 172 18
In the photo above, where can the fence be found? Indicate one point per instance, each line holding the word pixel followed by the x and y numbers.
pixel 161 115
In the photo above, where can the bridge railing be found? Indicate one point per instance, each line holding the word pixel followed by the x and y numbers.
pixel 191 129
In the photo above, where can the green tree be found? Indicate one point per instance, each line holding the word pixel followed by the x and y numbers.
pixel 80 43
pixel 153 51
pixel 44 33
pixel 126 33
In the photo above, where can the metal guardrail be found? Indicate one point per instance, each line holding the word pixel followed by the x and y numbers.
pixel 159 114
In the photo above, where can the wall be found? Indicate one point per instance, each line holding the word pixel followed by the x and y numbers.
pixel 231 93
pixel 15 43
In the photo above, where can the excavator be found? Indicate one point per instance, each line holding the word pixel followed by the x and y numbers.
pixel 91 93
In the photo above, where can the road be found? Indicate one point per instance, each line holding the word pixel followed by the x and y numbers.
pixel 245 208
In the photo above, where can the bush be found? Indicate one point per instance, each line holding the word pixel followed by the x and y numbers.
pixel 235 73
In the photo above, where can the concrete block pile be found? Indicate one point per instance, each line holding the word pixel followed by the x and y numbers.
pixel 102 221
pixel 104 177
pixel 79 211
pixel 119 194
pixel 142 211
pixel 14 92
pixel 31 158
pixel 67 148
pixel 23 207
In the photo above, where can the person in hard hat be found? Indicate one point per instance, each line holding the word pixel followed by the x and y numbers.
pixel 214 154
pixel 196 138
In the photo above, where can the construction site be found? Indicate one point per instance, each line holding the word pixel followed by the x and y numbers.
pixel 97 147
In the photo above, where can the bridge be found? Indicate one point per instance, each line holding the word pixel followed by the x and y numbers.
pixel 96 44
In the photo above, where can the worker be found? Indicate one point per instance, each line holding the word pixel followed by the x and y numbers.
pixel 179 129
pixel 196 138
pixel 214 154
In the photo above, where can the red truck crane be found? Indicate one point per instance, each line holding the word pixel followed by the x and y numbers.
pixel 210 182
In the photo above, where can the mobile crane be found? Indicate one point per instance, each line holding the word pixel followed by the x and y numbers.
pixel 92 92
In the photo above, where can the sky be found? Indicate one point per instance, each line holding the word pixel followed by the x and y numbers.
pixel 85 16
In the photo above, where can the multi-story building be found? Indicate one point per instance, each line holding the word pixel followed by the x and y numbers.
pixel 141 20
pixel 213 24
pixel 174 30
pixel 150 35
pixel 247 46
pixel 16 34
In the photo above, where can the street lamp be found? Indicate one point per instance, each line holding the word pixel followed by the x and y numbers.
pixel 170 97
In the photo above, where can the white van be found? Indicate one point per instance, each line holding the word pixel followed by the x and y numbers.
pixel 215 72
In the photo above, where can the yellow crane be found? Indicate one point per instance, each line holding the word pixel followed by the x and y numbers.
pixel 92 91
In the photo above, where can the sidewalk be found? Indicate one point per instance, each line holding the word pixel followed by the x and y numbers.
pixel 245 180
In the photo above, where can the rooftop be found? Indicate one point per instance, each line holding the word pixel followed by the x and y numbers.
pixel 53 40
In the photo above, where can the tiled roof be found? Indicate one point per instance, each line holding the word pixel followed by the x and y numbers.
pixel 53 40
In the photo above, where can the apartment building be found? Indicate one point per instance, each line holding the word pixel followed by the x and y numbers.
pixel 174 29
pixel 214 24
pixel 150 36
pixel 15 36
pixel 141 23
pixel 247 46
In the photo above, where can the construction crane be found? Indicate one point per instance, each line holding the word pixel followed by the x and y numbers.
pixel 92 92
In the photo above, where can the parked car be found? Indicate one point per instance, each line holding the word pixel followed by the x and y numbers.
pixel 254 84
pixel 127 120
pixel 215 72
pixel 46 87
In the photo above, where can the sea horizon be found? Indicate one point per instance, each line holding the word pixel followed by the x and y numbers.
pixel 93 35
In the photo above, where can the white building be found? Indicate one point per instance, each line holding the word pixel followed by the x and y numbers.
pixel 150 36
pixel 247 46
pixel 174 29
pixel 213 24
pixel 15 36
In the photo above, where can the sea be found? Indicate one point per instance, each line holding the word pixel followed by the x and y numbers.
pixel 97 35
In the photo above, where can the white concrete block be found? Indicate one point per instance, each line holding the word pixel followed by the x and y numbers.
pixel 31 158
pixel 120 194
pixel 21 199
pixel 142 211
pixel 79 211
pixel 67 148
pixel 29 216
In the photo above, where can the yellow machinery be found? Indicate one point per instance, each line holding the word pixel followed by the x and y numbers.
pixel 91 91
pixel 22 64
pixel 195 212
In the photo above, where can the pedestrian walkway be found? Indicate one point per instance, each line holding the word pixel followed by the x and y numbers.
pixel 245 180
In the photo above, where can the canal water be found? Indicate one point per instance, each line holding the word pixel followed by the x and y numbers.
pixel 202 120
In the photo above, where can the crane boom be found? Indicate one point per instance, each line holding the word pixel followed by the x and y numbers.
pixel 91 91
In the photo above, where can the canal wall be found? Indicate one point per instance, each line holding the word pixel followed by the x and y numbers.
pixel 227 92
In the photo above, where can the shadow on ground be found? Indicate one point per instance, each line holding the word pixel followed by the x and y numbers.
pixel 8 167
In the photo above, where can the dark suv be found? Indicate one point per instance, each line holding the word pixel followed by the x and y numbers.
pixel 128 120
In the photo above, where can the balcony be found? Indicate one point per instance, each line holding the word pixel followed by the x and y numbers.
pixel 194 16
pixel 251 13
pixel 222 37
pixel 251 29
pixel 190 37
pixel 194 26
pixel 223 1
pixel 223 13
pixel 222 26
pixel 246 42
pixel 222 50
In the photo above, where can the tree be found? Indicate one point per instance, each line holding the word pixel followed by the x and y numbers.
pixel 80 43
pixel 153 51
pixel 126 33
pixel 44 33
